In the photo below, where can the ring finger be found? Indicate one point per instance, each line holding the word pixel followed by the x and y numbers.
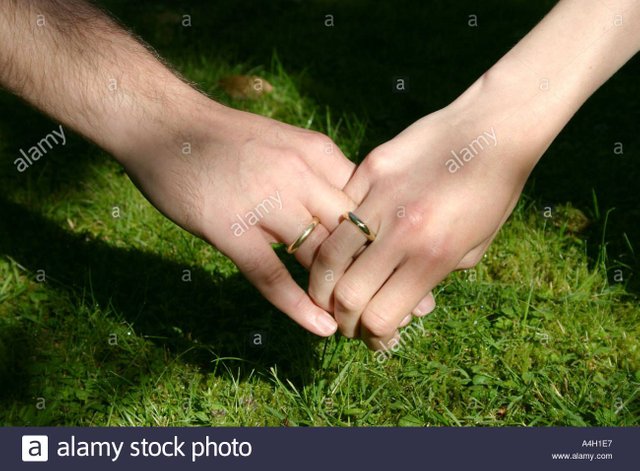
pixel 336 254
pixel 290 228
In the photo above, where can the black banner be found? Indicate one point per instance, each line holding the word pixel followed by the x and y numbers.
pixel 323 449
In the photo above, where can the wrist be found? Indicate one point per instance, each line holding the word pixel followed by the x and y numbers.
pixel 535 89
pixel 524 115
pixel 179 124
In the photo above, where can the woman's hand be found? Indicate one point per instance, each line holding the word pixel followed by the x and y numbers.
pixel 242 182
pixel 438 193
pixel 435 195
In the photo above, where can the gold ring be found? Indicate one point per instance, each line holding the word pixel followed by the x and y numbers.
pixel 305 234
pixel 359 223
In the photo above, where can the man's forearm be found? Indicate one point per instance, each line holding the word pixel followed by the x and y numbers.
pixel 72 61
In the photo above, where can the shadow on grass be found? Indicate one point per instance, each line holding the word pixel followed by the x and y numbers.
pixel 208 318
pixel 16 347
pixel 22 127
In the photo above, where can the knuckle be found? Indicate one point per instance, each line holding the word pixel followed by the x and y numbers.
pixel 413 219
pixel 329 253
pixel 254 265
pixel 316 144
pixel 378 163
pixel 292 159
pixel 377 324
pixel 264 272
pixel 322 141
pixel 300 305
pixel 439 249
pixel 347 297
pixel 275 276
pixel 296 171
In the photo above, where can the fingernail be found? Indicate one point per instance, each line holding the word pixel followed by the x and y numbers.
pixel 326 324
pixel 425 306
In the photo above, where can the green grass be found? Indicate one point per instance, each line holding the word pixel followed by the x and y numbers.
pixel 537 334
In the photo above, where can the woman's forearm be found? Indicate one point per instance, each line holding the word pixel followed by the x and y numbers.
pixel 533 91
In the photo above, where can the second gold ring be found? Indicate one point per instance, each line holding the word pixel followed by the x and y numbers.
pixel 360 224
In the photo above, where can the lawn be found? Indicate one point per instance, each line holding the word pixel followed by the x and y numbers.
pixel 111 315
